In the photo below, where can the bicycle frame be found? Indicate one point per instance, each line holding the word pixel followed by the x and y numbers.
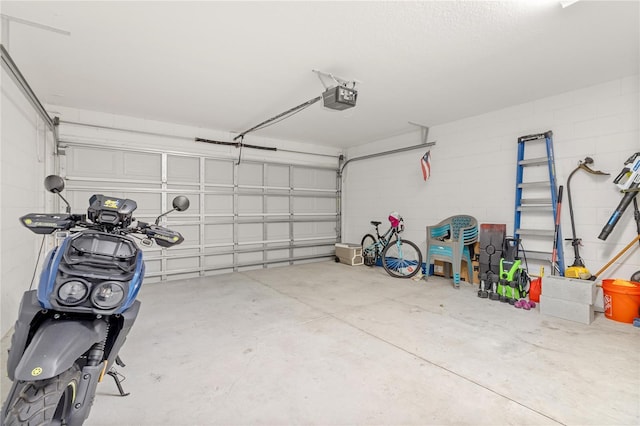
pixel 384 239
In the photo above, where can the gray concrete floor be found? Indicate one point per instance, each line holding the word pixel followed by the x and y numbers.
pixel 329 344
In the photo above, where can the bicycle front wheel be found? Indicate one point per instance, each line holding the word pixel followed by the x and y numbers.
pixel 369 250
pixel 402 259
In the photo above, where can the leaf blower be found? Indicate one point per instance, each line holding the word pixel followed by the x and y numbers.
pixel 628 180
pixel 577 269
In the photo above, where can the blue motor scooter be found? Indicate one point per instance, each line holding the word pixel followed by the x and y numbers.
pixel 69 331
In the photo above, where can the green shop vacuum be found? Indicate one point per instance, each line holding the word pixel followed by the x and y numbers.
pixel 513 282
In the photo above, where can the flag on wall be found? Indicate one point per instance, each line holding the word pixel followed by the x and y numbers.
pixel 425 162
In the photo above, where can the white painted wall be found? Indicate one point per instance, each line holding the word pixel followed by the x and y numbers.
pixel 474 166
pixel 25 159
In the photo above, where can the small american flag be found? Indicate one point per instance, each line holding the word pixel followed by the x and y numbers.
pixel 425 162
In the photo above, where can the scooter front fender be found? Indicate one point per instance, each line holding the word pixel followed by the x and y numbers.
pixel 56 345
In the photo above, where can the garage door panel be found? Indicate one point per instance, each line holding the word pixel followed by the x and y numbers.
pixel 98 163
pixel 109 186
pixel 249 232
pixel 183 169
pixel 144 166
pixel 277 231
pixel 314 205
pixel 218 234
pixel 314 178
pixel 314 230
pixel 183 251
pixel 219 172
pixel 238 215
pixel 183 263
pixel 250 174
pixel 219 261
pixel 278 204
pixel 219 250
pixel 277 176
pixel 278 254
pixel 249 204
pixel 254 257
pixel 218 204
pixel 152 266
pixel 313 251
pixel 304 251
pixel 183 188
pixel 108 163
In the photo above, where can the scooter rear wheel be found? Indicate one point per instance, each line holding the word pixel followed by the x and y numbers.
pixel 29 403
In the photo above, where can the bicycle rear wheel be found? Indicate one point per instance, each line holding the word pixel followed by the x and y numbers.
pixel 369 250
pixel 402 259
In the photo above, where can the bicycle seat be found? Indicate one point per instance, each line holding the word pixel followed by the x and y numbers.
pixel 374 223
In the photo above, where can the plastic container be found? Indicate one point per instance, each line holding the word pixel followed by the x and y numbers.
pixel 621 300
pixel 535 289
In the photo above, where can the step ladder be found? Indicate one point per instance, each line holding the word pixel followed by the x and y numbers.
pixel 537 200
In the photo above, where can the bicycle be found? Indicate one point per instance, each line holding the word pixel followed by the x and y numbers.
pixel 400 258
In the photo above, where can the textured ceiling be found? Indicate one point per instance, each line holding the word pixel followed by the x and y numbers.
pixel 231 65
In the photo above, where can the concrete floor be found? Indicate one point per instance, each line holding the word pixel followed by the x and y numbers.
pixel 329 344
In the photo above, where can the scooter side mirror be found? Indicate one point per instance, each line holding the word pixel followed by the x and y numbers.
pixel 54 183
pixel 181 203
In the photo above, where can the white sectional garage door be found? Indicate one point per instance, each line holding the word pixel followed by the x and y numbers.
pixel 247 215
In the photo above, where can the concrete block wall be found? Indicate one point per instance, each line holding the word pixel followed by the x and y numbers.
pixel 474 168
pixel 25 159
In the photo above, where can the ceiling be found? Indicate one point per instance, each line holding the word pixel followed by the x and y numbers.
pixel 232 65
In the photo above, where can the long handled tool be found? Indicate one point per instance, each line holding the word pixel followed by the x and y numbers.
pixel 555 268
pixel 578 269
pixel 620 253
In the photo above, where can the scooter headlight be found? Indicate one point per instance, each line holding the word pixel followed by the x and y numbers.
pixel 107 295
pixel 72 293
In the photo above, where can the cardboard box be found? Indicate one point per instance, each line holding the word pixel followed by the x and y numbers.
pixel 438 268
pixel 464 272
pixel 443 269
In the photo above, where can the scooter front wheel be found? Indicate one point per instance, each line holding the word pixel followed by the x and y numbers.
pixel 34 403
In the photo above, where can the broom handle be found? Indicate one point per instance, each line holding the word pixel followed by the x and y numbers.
pixel 604 268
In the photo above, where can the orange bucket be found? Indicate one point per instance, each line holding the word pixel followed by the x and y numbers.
pixel 621 300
